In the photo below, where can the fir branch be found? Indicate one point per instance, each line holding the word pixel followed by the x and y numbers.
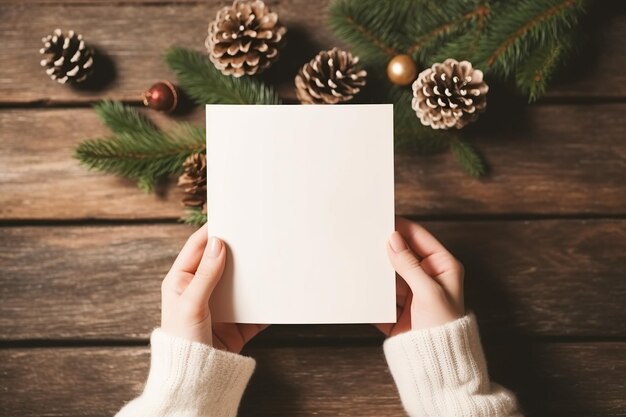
pixel 442 25
pixel 533 76
pixel 522 26
pixel 194 217
pixel 123 119
pixel 469 158
pixel 137 150
pixel 370 26
pixel 207 85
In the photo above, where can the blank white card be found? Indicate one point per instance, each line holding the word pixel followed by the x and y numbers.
pixel 303 197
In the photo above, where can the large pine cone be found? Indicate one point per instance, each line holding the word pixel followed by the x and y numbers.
pixel 193 180
pixel 449 94
pixel 66 58
pixel 245 38
pixel 329 78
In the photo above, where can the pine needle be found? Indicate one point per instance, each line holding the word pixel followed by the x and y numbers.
pixel 534 75
pixel 207 85
pixel 469 158
pixel 438 24
pixel 521 27
pixel 194 217
pixel 123 119
pixel 137 149
pixel 371 26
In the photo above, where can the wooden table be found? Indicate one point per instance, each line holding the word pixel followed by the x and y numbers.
pixel 82 254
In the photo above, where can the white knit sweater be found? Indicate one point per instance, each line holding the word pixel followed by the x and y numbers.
pixel 439 372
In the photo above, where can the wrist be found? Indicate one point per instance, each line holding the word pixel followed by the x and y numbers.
pixel 439 369
pixel 437 349
pixel 184 372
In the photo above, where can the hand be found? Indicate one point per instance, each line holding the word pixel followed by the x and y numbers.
pixel 429 291
pixel 186 291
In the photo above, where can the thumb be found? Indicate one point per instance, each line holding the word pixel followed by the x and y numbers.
pixel 406 263
pixel 209 271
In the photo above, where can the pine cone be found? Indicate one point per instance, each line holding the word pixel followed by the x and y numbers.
pixel 245 38
pixel 329 78
pixel 66 58
pixel 193 180
pixel 450 94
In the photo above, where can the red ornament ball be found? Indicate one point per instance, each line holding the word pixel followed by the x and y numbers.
pixel 162 96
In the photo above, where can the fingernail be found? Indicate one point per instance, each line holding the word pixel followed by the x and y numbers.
pixel 215 247
pixel 397 242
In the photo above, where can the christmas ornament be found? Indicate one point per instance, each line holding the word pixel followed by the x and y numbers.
pixel 162 96
pixel 245 38
pixel 401 70
pixel 449 94
pixel 193 180
pixel 329 78
pixel 66 58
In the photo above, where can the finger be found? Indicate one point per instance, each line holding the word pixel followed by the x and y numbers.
pixel 448 272
pixel 419 239
pixel 406 263
pixel 384 328
pixel 437 261
pixel 208 273
pixel 234 336
pixel 189 257
pixel 248 331
pixel 402 291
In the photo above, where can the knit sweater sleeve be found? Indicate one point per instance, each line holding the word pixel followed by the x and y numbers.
pixel 190 379
pixel 442 371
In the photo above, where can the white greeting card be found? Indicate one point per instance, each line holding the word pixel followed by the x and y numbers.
pixel 303 196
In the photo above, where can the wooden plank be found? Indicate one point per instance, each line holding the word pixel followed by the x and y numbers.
pixel 132 51
pixel 103 282
pixel 40 179
pixel 550 159
pixel 550 379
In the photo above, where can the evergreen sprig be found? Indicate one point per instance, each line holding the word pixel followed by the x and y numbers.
pixel 469 158
pixel 518 29
pixel 137 149
pixel 435 23
pixel 366 24
pixel 506 39
pixel 525 40
pixel 534 75
pixel 199 78
pixel 194 217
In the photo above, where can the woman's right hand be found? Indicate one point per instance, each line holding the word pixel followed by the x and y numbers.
pixel 429 290
pixel 186 291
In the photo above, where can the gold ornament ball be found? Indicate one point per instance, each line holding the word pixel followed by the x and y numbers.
pixel 401 70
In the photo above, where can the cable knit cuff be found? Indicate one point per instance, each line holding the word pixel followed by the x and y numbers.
pixel 191 379
pixel 442 371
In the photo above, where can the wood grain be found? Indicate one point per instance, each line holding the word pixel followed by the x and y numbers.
pixel 548 160
pixel 130 52
pixel 40 179
pixel 550 379
pixel 541 278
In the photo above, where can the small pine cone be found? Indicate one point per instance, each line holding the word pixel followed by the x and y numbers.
pixel 329 78
pixel 449 94
pixel 66 58
pixel 193 180
pixel 245 38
